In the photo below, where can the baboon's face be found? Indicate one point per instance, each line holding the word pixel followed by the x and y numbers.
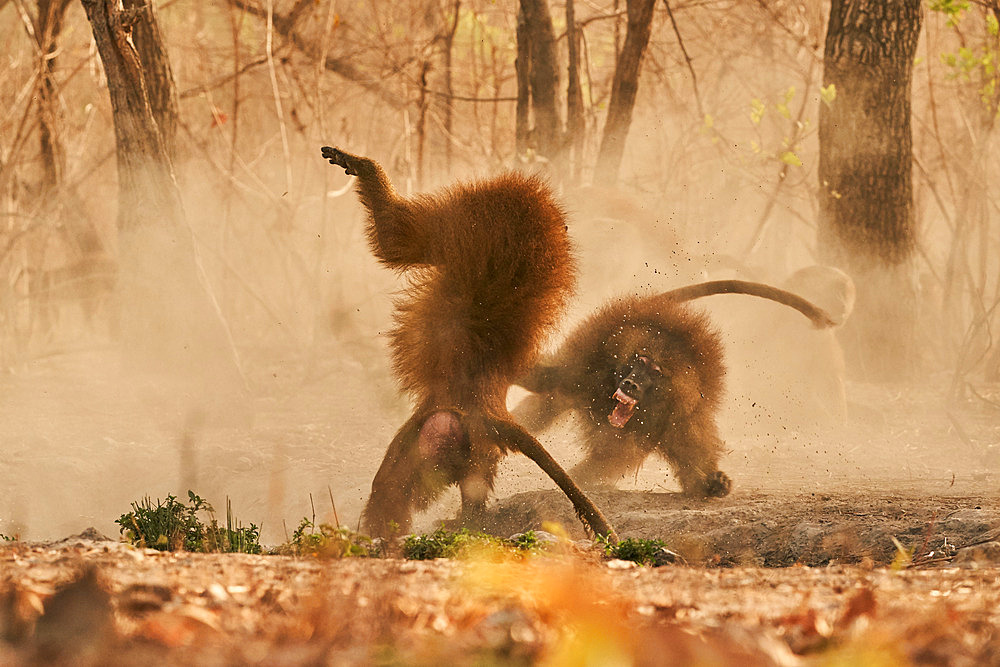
pixel 636 379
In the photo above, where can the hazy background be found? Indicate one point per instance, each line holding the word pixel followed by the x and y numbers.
pixel 728 190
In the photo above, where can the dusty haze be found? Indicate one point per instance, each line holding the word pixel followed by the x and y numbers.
pixel 280 236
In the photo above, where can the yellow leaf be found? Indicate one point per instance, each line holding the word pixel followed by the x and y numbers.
pixel 788 157
pixel 828 94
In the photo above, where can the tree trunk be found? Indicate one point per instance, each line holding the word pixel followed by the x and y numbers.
pixel 522 68
pixel 449 89
pixel 425 68
pixel 866 219
pixel 544 78
pixel 624 89
pixel 575 124
pixel 48 25
pixel 159 78
pixel 170 324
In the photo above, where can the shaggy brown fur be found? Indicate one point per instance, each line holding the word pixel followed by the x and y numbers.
pixel 490 270
pixel 648 372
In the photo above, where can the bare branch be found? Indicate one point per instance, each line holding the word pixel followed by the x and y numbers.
pixel 218 83
pixel 687 59
pixel 285 26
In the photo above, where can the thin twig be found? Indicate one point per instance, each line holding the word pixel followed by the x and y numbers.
pixel 465 98
pixel 336 65
pixel 205 87
pixel 279 111
pixel 758 235
pixel 687 59
pixel 336 517
pixel 29 27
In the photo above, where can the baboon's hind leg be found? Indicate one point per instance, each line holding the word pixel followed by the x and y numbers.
pixel 424 457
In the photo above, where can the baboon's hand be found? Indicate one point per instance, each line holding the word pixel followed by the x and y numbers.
pixel 341 159
pixel 717 484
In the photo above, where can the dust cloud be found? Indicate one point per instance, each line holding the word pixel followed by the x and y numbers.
pixel 280 237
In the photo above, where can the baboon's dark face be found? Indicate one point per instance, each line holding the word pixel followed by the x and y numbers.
pixel 637 377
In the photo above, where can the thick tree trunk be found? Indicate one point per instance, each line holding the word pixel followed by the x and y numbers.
pixel 624 89
pixel 170 324
pixel 544 78
pixel 160 88
pixel 866 221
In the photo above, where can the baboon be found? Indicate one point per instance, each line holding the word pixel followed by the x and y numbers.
pixel 490 269
pixel 648 372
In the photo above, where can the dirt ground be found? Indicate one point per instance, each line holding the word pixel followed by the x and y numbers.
pixel 81 601
pixel 872 543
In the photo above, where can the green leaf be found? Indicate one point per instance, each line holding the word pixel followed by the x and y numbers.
pixel 992 25
pixel 788 157
pixel 951 8
pixel 828 94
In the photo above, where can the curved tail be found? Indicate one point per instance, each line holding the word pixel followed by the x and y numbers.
pixel 527 444
pixel 819 317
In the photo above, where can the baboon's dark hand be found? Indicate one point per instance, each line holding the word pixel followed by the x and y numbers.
pixel 339 158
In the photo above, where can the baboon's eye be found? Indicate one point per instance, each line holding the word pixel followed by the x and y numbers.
pixel 650 364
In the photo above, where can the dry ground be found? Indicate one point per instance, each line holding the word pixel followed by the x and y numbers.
pixel 145 607
pixel 794 567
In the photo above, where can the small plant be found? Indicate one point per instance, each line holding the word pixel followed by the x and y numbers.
pixel 444 543
pixel 903 557
pixel 171 525
pixel 5 538
pixel 326 541
pixel 235 538
pixel 526 541
pixel 644 552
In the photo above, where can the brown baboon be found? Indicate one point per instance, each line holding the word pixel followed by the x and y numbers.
pixel 490 270
pixel 648 372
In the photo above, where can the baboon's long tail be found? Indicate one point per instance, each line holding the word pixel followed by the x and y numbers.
pixel 819 317
pixel 530 447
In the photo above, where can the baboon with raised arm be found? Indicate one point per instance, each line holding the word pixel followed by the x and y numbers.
pixel 490 269
pixel 648 374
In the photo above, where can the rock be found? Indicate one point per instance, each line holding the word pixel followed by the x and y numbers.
pixel 969 521
pixel 979 555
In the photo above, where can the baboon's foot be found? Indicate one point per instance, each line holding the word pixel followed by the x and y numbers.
pixel 717 484
pixel 384 518
pixel 339 158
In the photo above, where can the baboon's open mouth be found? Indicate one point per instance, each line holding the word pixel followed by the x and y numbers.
pixel 624 409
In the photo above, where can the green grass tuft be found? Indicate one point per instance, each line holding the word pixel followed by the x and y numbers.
pixel 171 525
pixel 637 550
pixel 326 541
pixel 444 543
